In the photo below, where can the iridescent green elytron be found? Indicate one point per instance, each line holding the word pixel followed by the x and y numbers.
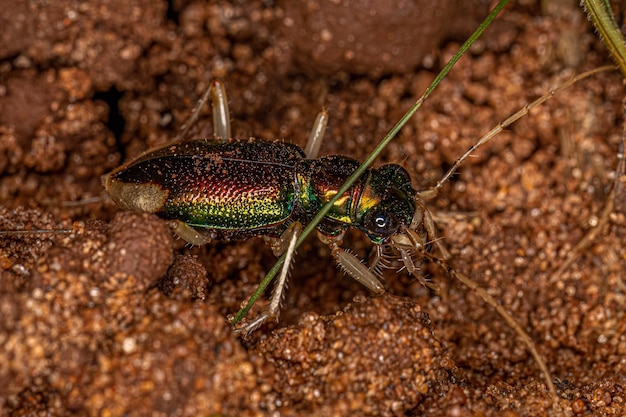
pixel 235 189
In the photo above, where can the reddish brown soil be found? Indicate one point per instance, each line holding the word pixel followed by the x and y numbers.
pixel 119 319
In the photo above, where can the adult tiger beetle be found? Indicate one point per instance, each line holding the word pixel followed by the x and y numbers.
pixel 227 189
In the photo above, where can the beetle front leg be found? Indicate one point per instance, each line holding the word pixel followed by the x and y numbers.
pixel 423 217
pixel 288 241
pixel 350 264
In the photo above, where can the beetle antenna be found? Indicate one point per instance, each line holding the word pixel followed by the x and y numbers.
pixel 432 192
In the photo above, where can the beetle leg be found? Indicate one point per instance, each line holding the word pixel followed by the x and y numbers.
pixel 188 233
pixel 350 264
pixel 353 266
pixel 184 131
pixel 410 243
pixel 281 244
pixel 423 217
pixel 290 236
pixel 316 136
pixel 376 260
pixel 221 115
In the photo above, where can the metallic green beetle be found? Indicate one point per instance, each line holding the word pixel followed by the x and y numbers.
pixel 226 189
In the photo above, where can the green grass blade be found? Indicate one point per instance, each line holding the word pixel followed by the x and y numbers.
pixel 599 11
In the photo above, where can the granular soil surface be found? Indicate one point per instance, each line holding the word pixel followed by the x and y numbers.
pixel 118 318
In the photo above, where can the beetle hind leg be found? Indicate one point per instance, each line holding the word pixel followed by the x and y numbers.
pixel 219 106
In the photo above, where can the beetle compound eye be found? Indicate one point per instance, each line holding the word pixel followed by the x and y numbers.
pixel 382 223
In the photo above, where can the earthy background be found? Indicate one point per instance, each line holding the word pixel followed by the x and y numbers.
pixel 117 318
